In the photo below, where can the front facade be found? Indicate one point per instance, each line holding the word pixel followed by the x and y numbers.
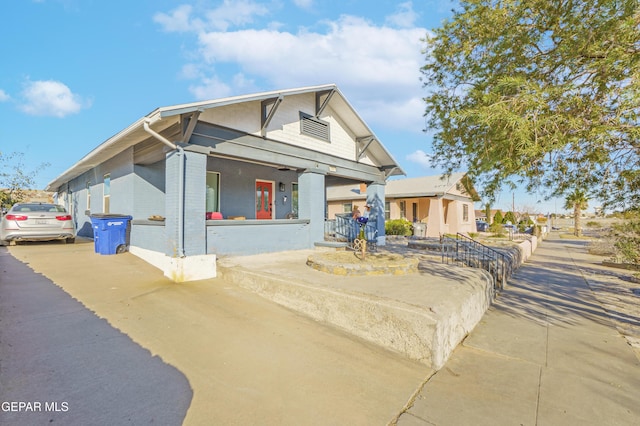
pixel 241 175
pixel 444 205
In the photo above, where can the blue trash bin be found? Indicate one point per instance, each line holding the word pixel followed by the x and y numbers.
pixel 110 233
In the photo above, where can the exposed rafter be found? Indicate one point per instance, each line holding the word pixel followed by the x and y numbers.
pixel 267 114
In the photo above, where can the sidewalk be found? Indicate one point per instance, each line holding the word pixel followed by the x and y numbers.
pixel 546 353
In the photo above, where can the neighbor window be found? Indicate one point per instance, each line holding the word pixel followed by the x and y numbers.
pixel 465 212
pixel 403 209
pixel 106 193
pixel 387 210
pixel 294 198
pixel 347 208
pixel 88 195
pixel 213 192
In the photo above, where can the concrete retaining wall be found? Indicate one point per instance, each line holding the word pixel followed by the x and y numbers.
pixel 427 333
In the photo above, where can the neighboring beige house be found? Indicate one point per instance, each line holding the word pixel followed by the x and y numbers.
pixel 445 206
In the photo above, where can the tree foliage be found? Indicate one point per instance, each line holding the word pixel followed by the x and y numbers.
pixel 627 240
pixel 16 178
pixel 540 92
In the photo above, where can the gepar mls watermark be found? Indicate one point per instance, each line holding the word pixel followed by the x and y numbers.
pixel 34 406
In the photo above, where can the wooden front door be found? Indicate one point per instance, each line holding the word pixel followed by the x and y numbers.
pixel 264 199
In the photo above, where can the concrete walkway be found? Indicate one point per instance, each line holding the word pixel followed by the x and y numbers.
pixel 546 353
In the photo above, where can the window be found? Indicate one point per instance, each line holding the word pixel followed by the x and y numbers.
pixel 347 208
pixel 387 210
pixel 294 198
pixel 106 193
pixel 88 195
pixel 313 126
pixel 213 192
pixel 465 212
pixel 403 209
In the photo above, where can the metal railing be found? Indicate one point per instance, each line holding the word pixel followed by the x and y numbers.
pixel 348 229
pixel 470 252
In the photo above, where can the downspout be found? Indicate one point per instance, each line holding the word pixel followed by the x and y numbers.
pixel 180 151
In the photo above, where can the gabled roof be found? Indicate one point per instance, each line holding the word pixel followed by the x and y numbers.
pixel 164 118
pixel 426 186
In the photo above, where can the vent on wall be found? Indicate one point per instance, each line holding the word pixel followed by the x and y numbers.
pixel 315 127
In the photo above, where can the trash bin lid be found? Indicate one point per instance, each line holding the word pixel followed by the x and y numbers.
pixel 110 216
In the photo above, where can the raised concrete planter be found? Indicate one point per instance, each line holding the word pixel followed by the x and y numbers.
pixel 423 316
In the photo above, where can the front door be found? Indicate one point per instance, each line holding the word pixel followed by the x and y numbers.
pixel 264 199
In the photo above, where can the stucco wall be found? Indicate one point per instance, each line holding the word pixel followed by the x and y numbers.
pixel 256 236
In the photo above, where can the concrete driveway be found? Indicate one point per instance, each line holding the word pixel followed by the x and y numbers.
pixel 247 360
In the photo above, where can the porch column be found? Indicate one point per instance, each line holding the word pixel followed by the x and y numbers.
pixel 435 224
pixel 376 199
pixel 186 193
pixel 312 202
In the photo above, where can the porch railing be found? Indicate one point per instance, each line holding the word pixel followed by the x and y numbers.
pixel 470 252
pixel 348 229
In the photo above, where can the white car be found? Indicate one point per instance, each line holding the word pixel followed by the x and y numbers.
pixel 37 222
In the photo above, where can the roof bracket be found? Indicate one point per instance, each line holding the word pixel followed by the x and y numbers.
pixel 267 116
pixel 320 106
pixel 193 120
pixel 369 140
pixel 388 171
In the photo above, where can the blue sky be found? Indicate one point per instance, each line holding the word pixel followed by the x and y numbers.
pixel 76 72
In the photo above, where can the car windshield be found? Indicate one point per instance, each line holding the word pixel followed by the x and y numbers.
pixel 38 207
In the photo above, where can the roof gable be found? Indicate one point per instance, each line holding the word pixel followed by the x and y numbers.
pixel 162 119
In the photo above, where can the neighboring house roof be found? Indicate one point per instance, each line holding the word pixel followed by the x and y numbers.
pixel 426 186
pixel 164 118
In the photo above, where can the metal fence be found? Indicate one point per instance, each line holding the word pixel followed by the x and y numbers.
pixel 467 251
pixel 348 229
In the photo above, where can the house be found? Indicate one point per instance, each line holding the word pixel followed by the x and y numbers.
pixel 444 204
pixel 238 175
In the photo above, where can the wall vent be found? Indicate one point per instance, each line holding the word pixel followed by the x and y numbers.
pixel 315 127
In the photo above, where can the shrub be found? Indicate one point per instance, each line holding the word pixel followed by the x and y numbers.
pixel 497 229
pixel 627 240
pixel 398 227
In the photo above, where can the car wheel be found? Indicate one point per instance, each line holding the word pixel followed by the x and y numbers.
pixel 70 240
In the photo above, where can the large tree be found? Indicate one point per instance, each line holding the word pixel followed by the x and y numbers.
pixel 540 92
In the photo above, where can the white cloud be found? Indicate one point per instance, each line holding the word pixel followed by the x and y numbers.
pixel 50 98
pixel 229 13
pixel 4 96
pixel 383 70
pixel 303 4
pixel 405 17
pixel 178 20
pixel 377 67
pixel 421 158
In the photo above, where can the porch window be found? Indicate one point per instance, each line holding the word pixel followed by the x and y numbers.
pixel 106 193
pixel 313 126
pixel 213 192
